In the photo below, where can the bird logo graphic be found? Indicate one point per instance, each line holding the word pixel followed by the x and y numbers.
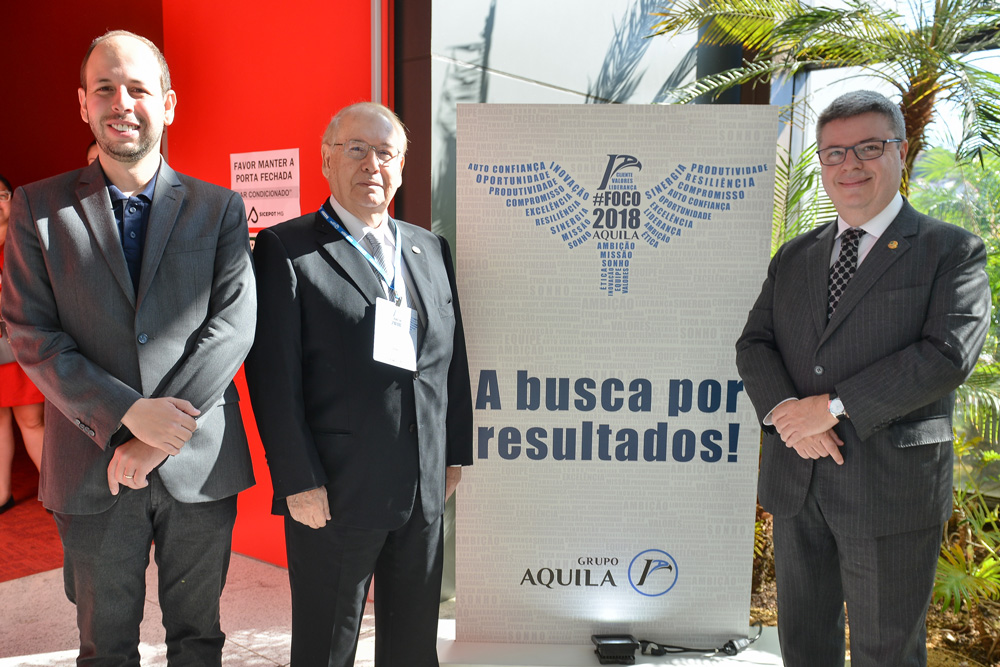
pixel 618 219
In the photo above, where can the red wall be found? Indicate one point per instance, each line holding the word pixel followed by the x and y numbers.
pixel 257 75
pixel 249 76
pixel 43 44
pixel 252 76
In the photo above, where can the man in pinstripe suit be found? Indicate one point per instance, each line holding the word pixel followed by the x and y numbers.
pixel 850 356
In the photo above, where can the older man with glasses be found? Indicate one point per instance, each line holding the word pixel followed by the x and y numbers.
pixel 862 331
pixel 360 386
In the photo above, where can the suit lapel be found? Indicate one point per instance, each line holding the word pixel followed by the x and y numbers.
pixel 95 202
pixel 876 263
pixel 818 281
pixel 418 287
pixel 167 199
pixel 346 256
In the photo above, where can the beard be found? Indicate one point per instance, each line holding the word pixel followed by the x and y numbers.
pixel 127 153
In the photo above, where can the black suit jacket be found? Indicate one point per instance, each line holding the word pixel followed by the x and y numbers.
pixel 907 332
pixel 327 412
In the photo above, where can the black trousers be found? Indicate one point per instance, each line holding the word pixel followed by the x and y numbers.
pixel 105 561
pixel 330 570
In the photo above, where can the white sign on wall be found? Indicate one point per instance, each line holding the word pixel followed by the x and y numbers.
pixel 268 181
pixel 607 258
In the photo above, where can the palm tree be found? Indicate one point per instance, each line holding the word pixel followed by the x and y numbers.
pixel 927 61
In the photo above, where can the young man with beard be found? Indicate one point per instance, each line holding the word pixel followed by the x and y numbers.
pixel 129 297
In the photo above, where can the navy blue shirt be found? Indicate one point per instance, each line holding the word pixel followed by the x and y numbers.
pixel 132 216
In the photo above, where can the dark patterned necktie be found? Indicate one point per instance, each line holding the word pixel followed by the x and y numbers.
pixel 843 269
pixel 376 249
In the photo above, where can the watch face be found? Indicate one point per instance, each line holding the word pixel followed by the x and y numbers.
pixel 836 407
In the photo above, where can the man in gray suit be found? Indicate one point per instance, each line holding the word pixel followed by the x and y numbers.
pixel 129 296
pixel 862 331
pixel 360 387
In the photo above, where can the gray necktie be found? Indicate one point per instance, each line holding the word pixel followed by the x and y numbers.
pixel 376 249
pixel 843 269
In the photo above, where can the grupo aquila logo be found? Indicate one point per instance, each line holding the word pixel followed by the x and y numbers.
pixel 652 572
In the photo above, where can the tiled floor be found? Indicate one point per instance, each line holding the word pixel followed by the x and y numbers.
pixel 38 629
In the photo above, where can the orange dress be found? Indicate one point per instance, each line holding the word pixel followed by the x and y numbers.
pixel 15 387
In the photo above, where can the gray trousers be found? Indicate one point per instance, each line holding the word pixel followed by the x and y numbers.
pixel 105 561
pixel 886 582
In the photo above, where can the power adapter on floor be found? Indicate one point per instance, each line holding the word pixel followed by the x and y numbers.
pixel 620 649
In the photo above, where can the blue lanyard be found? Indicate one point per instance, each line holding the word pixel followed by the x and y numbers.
pixel 397 258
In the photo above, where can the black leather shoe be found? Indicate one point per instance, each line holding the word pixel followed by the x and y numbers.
pixel 7 505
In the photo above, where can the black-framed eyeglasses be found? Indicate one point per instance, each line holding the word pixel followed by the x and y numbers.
pixel 866 150
pixel 358 150
pixel 5 195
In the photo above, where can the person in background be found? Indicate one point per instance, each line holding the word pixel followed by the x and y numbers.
pixel 92 152
pixel 20 400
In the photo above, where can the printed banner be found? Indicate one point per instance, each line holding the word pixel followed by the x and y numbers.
pixel 268 181
pixel 608 256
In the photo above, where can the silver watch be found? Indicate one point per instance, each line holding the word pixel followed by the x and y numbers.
pixel 836 407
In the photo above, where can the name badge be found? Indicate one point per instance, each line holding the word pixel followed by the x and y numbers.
pixel 395 335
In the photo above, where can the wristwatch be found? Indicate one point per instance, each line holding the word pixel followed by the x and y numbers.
pixel 836 407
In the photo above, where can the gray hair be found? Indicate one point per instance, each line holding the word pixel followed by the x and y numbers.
pixel 860 102
pixel 369 107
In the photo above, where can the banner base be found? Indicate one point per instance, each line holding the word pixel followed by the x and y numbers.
pixel 453 653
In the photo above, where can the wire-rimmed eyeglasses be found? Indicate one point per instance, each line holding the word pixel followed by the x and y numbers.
pixel 358 150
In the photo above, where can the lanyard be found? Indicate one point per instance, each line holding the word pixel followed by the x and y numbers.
pixel 397 257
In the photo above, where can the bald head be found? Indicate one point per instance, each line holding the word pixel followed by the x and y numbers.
pixel 125 34
pixel 372 109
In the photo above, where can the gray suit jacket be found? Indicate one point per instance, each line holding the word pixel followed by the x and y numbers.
pixel 327 412
pixel 93 346
pixel 906 333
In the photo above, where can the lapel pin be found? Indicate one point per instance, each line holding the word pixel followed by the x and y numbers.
pixel 893 245
pixel 415 249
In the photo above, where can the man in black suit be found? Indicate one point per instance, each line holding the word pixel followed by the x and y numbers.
pixel 360 385
pixel 851 354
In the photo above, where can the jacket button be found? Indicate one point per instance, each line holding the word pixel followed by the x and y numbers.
pixel 818 370
pixel 413 428
pixel 416 374
pixel 143 339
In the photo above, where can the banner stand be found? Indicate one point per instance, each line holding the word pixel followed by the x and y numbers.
pixel 607 257
pixel 764 652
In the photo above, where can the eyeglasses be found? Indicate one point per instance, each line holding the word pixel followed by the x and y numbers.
pixel 5 195
pixel 866 150
pixel 358 150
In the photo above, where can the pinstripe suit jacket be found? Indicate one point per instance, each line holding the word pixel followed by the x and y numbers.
pixel 94 346
pixel 906 333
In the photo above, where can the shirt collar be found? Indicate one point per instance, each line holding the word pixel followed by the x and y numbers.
pixel 118 195
pixel 877 225
pixel 359 229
